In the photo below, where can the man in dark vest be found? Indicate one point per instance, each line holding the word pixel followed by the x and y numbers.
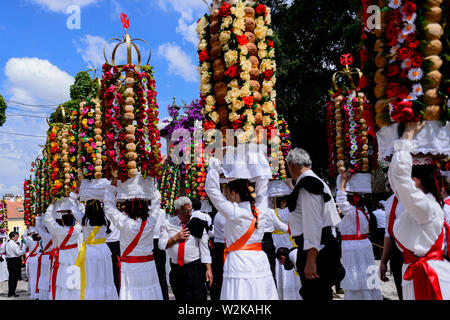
pixel 312 216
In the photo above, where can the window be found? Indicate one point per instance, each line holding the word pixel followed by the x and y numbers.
pixel 20 210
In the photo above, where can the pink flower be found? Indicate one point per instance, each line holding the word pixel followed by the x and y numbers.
pixel 91 121
pixel 93 145
pixel 85 110
pixel 91 167
pixel 82 134
pixel 72 149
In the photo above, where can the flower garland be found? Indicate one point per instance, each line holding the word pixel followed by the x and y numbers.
pixel 3 218
pixel 283 146
pixel 132 138
pixel 27 203
pixel 169 186
pixel 91 155
pixel 237 66
pixel 41 185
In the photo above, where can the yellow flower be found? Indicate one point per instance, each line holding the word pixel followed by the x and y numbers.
pixel 233 116
pixel 266 121
pixel 89 150
pixel 246 65
pixel 237 105
pixel 224 37
pixel 73 159
pixel 233 84
pixel 84 121
pixel 267 107
pixel 245 76
pixel 231 57
pixel 261 32
pixel 239 26
pixel 202 45
pixel 262 54
pixel 226 22
pixel 90 114
pixel 210 100
pixel 245 91
pixel 214 116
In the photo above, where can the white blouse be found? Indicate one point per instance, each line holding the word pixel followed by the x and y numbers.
pixel 348 226
pixel 421 223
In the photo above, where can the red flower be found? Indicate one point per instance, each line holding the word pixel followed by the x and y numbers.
pixel 403 53
pixel 393 70
pixel 403 112
pixel 53 136
pixel 413 44
pixel 395 90
pixel 242 40
pixel 203 56
pixel 364 53
pixel 409 8
pixel 261 10
pixel 416 61
pixel 270 43
pixel 268 74
pixel 208 124
pixel 225 10
pixel 232 72
pixel 248 100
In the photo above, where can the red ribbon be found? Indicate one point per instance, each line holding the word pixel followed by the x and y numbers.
pixel 392 217
pixel 181 246
pixel 45 252
pixel 32 253
pixel 56 259
pixel 353 237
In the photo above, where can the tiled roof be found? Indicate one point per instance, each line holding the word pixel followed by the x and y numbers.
pixel 13 209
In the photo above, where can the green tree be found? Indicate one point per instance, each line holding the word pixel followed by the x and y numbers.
pixel 310 37
pixel 3 107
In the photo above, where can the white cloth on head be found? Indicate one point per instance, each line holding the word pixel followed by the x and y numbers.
pixel 137 187
pixel 312 214
pixel 246 273
pixel 133 284
pixel 64 288
pixel 357 255
pixel 93 189
pixel 421 223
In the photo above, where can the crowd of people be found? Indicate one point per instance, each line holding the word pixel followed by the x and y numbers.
pixel 250 247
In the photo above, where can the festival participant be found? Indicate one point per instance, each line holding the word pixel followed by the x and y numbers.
pixel 113 243
pixel 138 275
pixel 420 231
pixel 313 214
pixel 66 232
pixel 246 271
pixel 13 251
pixel 94 257
pixel 186 241
pixel 32 243
pixel 287 258
pixel 357 253
pixel 217 255
pixel 160 255
pixel 3 266
pixel 44 261
pixel 391 253
pixel 378 237
pixel 288 284
pixel 272 223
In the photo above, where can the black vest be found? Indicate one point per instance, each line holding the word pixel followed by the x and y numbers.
pixel 312 185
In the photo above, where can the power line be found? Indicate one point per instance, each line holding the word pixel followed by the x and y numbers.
pixel 27 110
pixel 33 105
pixel 20 134
pixel 25 115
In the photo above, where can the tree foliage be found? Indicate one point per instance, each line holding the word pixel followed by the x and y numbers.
pixel 310 37
pixel 3 107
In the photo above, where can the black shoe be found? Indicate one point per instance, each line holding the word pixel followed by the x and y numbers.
pixel 16 295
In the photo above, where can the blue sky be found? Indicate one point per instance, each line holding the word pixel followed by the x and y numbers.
pixel 40 56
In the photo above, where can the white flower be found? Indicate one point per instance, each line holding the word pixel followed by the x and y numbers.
pixel 261 32
pixel 231 57
pixel 210 100
pixel 245 91
pixel 417 90
pixel 237 105
pixel 246 65
pixel 233 116
pixel 394 49
pixel 262 45
pixel 409 28
pixel 415 74
pixel 214 116
pixel 271 53
pixel 233 84
pixel 226 22
pixel 244 50
pixel 239 26
pixel 395 4
pixel 245 75
pixel 202 45
pixel 402 37
pixel 262 54
pixel 406 63
pixel 224 37
pixel 267 107
pixel 267 121
pixel 409 19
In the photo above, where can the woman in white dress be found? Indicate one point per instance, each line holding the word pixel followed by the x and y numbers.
pixel 288 282
pixel 94 257
pixel 420 231
pixel 357 252
pixel 43 272
pixel 246 271
pixel 65 233
pixel 3 267
pixel 138 275
pixel 32 243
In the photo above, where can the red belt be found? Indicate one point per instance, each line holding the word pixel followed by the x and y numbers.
pixel 56 265
pixel 353 237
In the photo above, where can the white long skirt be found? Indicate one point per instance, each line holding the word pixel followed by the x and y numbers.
pixel 442 269
pixel 247 276
pixel 67 280
pixel 4 275
pixel 359 265
pixel 32 264
pixel 139 281
pixel 288 283
pixel 99 273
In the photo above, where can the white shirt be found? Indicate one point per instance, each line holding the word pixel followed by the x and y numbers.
pixel 13 249
pixel 421 223
pixel 30 245
pixel 128 227
pixel 273 223
pixel 159 221
pixel 45 236
pixel 59 232
pixel 398 212
pixel 348 226
pixel 219 225
pixel 317 215
pixel 447 210
pixel 194 247
pixel 114 235
pixel 293 258
pixel 381 218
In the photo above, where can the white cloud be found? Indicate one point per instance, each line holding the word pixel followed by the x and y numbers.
pixel 91 49
pixel 61 5
pixel 31 79
pixel 179 62
pixel 190 11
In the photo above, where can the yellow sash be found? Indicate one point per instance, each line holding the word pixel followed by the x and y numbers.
pixel 294 245
pixel 82 255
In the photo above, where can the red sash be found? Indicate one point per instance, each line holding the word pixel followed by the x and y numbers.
pixel 240 244
pixel 33 252
pixel 56 258
pixel 447 202
pixel 45 252
pixel 424 277
pixel 358 235
pixel 131 246
pixel 392 217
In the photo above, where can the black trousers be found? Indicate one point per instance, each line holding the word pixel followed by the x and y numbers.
pixel 217 269
pixel 160 262
pixel 269 248
pixel 115 252
pixel 379 240
pixel 188 281
pixel 396 264
pixel 14 269
pixel 327 263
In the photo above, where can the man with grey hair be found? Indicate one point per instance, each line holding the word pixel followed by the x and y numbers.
pixel 186 241
pixel 312 216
